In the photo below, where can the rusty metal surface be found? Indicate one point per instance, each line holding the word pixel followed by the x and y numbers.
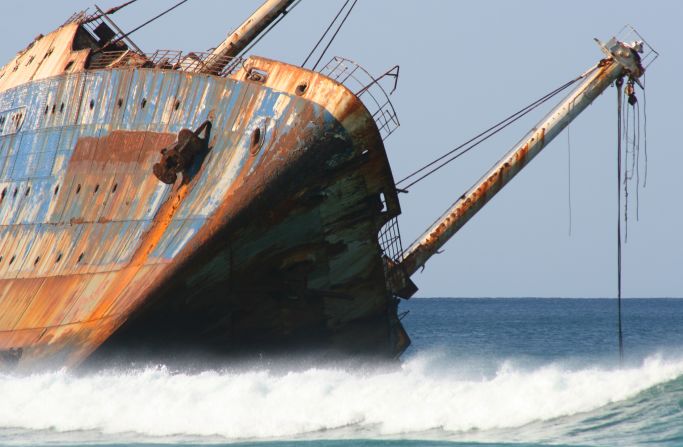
pixel 192 62
pixel 594 83
pixel 88 234
pixel 46 56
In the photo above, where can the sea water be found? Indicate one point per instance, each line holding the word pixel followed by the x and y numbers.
pixel 484 372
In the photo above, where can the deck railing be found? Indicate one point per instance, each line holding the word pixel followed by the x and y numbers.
pixel 192 62
pixel 369 89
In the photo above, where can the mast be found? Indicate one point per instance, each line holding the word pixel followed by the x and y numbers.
pixel 622 60
pixel 244 34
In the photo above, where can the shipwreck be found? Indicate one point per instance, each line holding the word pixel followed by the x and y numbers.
pixel 213 200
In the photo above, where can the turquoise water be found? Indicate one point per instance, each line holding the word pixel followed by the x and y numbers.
pixel 487 372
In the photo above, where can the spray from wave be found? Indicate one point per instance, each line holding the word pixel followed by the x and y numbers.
pixel 420 395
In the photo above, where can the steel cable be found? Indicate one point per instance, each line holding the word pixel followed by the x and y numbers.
pixel 619 84
pixel 335 34
pixel 329 27
pixel 483 136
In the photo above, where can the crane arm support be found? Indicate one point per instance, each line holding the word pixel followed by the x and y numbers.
pixel 238 40
pixel 624 60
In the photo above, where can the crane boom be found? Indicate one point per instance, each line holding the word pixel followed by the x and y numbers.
pixel 244 34
pixel 622 60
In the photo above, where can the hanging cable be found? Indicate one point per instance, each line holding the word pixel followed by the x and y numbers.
pixel 334 35
pixel 118 39
pixel 483 136
pixel 270 27
pixel 637 137
pixel 625 129
pixel 619 84
pixel 325 33
pixel 569 180
pixel 645 130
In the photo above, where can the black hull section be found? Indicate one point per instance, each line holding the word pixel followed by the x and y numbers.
pixel 296 266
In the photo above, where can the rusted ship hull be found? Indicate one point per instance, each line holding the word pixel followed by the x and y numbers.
pixel 271 236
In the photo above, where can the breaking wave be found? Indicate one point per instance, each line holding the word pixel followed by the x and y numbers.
pixel 421 395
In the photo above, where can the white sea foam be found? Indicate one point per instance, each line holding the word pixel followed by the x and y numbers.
pixel 420 395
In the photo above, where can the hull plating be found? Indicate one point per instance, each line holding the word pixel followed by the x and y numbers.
pixel 266 238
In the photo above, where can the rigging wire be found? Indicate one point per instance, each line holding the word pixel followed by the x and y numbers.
pixel 270 27
pixel 143 25
pixel 631 140
pixel 335 34
pixel 110 11
pixel 569 180
pixel 645 130
pixel 329 27
pixel 626 124
pixel 483 136
pixel 619 84
pixel 637 138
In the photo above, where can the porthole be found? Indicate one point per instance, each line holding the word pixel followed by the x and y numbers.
pixel 61 108
pixel 301 88
pixel 12 259
pixel 59 258
pixel 56 189
pixel 36 261
pixel 78 188
pixel 97 187
pixel 143 103
pixel 80 258
pixel 113 189
pixel 54 107
pixel 92 104
pixel 255 140
pixel 176 106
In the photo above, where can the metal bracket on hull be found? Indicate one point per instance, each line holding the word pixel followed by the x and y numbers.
pixel 180 156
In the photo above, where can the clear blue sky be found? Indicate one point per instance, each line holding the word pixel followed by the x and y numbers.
pixel 464 66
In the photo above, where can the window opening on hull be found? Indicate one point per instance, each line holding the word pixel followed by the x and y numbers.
pixel 256 140
pixel 301 88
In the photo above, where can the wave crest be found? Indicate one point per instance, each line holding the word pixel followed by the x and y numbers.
pixel 422 394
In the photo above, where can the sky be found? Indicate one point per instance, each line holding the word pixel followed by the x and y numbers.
pixel 465 66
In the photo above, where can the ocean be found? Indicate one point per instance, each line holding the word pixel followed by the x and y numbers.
pixel 484 372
